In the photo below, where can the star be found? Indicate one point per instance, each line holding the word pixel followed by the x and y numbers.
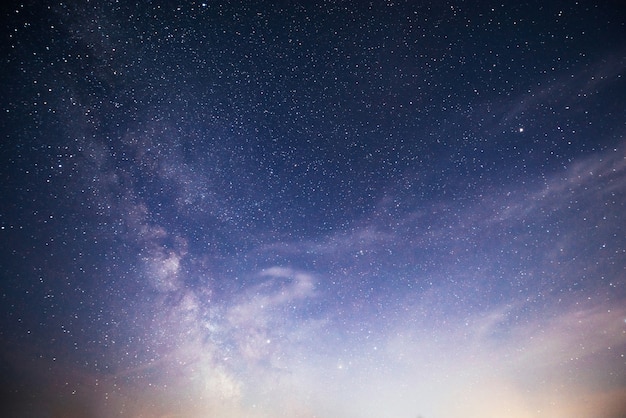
pixel 254 210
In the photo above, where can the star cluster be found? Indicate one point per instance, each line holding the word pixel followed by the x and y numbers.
pixel 327 209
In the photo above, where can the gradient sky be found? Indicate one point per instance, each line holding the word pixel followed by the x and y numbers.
pixel 332 209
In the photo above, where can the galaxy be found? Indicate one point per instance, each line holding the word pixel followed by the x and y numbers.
pixel 313 209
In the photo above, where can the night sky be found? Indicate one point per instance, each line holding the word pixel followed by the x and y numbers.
pixel 335 210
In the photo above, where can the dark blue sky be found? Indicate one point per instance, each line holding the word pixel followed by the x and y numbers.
pixel 332 209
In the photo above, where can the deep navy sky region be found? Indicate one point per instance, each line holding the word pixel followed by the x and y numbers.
pixel 297 209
